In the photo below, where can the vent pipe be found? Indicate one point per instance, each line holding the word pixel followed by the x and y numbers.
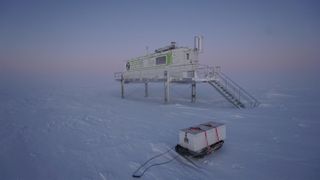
pixel 198 43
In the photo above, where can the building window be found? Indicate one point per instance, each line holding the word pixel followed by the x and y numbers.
pixel 161 60
pixel 187 56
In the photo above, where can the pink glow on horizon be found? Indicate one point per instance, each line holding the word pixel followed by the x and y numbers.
pixel 97 38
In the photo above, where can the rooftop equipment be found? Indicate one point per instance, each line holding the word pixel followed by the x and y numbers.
pixel 166 48
pixel 198 44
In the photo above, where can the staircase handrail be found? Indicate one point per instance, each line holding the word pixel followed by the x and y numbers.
pixel 243 91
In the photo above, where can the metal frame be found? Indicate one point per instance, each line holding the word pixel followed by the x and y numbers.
pixel 233 92
pixel 196 74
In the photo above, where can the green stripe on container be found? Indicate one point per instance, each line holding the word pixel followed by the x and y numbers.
pixel 169 58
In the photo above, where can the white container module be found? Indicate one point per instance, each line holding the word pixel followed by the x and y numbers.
pixel 202 136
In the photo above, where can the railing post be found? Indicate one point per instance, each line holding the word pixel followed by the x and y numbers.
pixel 166 86
pixel 217 69
pixel 226 84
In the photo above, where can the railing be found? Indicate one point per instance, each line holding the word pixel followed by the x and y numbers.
pixel 205 72
pixel 235 89
pixel 118 75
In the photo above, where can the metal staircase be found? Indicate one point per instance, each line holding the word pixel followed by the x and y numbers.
pixel 224 92
pixel 234 93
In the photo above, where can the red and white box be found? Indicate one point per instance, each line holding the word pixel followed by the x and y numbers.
pixel 198 137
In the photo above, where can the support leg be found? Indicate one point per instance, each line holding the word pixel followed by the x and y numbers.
pixel 193 92
pixel 146 93
pixel 122 87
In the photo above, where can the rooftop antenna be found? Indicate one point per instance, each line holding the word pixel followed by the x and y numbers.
pixel 147 50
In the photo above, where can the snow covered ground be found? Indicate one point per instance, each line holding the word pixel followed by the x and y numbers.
pixel 84 130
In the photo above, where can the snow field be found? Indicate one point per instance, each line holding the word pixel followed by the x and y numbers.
pixel 77 131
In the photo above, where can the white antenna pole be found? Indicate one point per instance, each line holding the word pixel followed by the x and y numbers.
pixel 201 44
pixel 196 43
pixel 198 46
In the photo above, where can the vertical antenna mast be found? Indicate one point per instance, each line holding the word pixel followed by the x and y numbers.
pixel 198 43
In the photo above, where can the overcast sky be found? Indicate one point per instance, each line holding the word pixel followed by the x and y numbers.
pixel 98 36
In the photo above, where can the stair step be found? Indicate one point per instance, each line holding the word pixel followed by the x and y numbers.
pixel 227 94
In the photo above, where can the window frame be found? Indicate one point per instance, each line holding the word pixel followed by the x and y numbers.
pixel 161 60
